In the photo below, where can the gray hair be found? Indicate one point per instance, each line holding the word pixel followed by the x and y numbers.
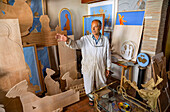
pixel 99 22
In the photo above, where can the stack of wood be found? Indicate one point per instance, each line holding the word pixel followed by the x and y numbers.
pixel 159 68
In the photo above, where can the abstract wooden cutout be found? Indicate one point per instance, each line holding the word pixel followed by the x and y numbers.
pixel 32 103
pixel 20 10
pixel 53 87
pixel 45 38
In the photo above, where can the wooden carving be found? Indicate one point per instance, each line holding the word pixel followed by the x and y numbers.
pixel 20 10
pixel 46 37
pixel 53 87
pixel 32 103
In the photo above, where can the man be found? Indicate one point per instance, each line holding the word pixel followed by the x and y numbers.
pixel 96 58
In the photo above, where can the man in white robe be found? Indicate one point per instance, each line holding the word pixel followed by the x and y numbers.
pixel 96 57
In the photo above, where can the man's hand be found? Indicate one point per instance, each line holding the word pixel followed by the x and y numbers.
pixel 107 73
pixel 61 37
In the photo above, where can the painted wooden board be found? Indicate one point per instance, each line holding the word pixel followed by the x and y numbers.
pixel 32 103
pixel 53 87
pixel 12 67
pixel 122 34
pixel 66 21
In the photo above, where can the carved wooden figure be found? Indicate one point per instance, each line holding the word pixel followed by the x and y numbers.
pixel 53 87
pixel 32 103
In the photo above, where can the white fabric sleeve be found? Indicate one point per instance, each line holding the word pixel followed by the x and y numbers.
pixel 78 44
pixel 108 56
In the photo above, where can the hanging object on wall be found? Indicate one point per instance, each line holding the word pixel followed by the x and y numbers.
pixel 104 7
pixel 66 21
pixel 130 18
pixel 143 59
pixel 127 5
pixel 128 50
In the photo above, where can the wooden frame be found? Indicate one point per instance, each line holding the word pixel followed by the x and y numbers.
pixel 95 16
pixel 69 17
pixel 38 65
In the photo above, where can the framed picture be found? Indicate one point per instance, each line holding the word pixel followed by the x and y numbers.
pixel 31 58
pixel 130 18
pixel 66 21
pixel 129 5
pixel 87 20
pixel 107 8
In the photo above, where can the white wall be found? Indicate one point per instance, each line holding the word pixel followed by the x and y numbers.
pixel 77 9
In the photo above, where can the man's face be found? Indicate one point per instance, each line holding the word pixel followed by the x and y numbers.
pixel 95 28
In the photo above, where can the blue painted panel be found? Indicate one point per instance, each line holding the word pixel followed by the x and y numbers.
pixel 30 58
pixel 130 18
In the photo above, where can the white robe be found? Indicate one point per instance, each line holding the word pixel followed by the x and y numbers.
pixel 95 60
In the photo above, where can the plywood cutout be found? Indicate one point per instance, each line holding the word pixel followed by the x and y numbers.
pixel 122 34
pixel 68 79
pixel 32 103
pixel 53 87
pixel 12 68
pixel 45 38
pixel 20 10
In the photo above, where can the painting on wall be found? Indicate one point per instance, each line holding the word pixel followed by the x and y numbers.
pixel 129 5
pixel 108 35
pixel 87 20
pixel 66 21
pixel 105 7
pixel 44 58
pixel 130 18
pixel 37 10
pixel 31 59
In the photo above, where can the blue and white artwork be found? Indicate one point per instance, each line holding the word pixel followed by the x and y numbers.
pixel 130 18
pixel 87 24
pixel 104 9
pixel 66 21
pixel 44 58
pixel 30 59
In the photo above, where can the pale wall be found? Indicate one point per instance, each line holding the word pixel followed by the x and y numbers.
pixel 77 9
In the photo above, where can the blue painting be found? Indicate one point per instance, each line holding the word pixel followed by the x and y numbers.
pixel 87 24
pixel 36 7
pixel 30 59
pixel 107 34
pixel 130 18
pixel 105 9
pixel 43 57
pixel 66 21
